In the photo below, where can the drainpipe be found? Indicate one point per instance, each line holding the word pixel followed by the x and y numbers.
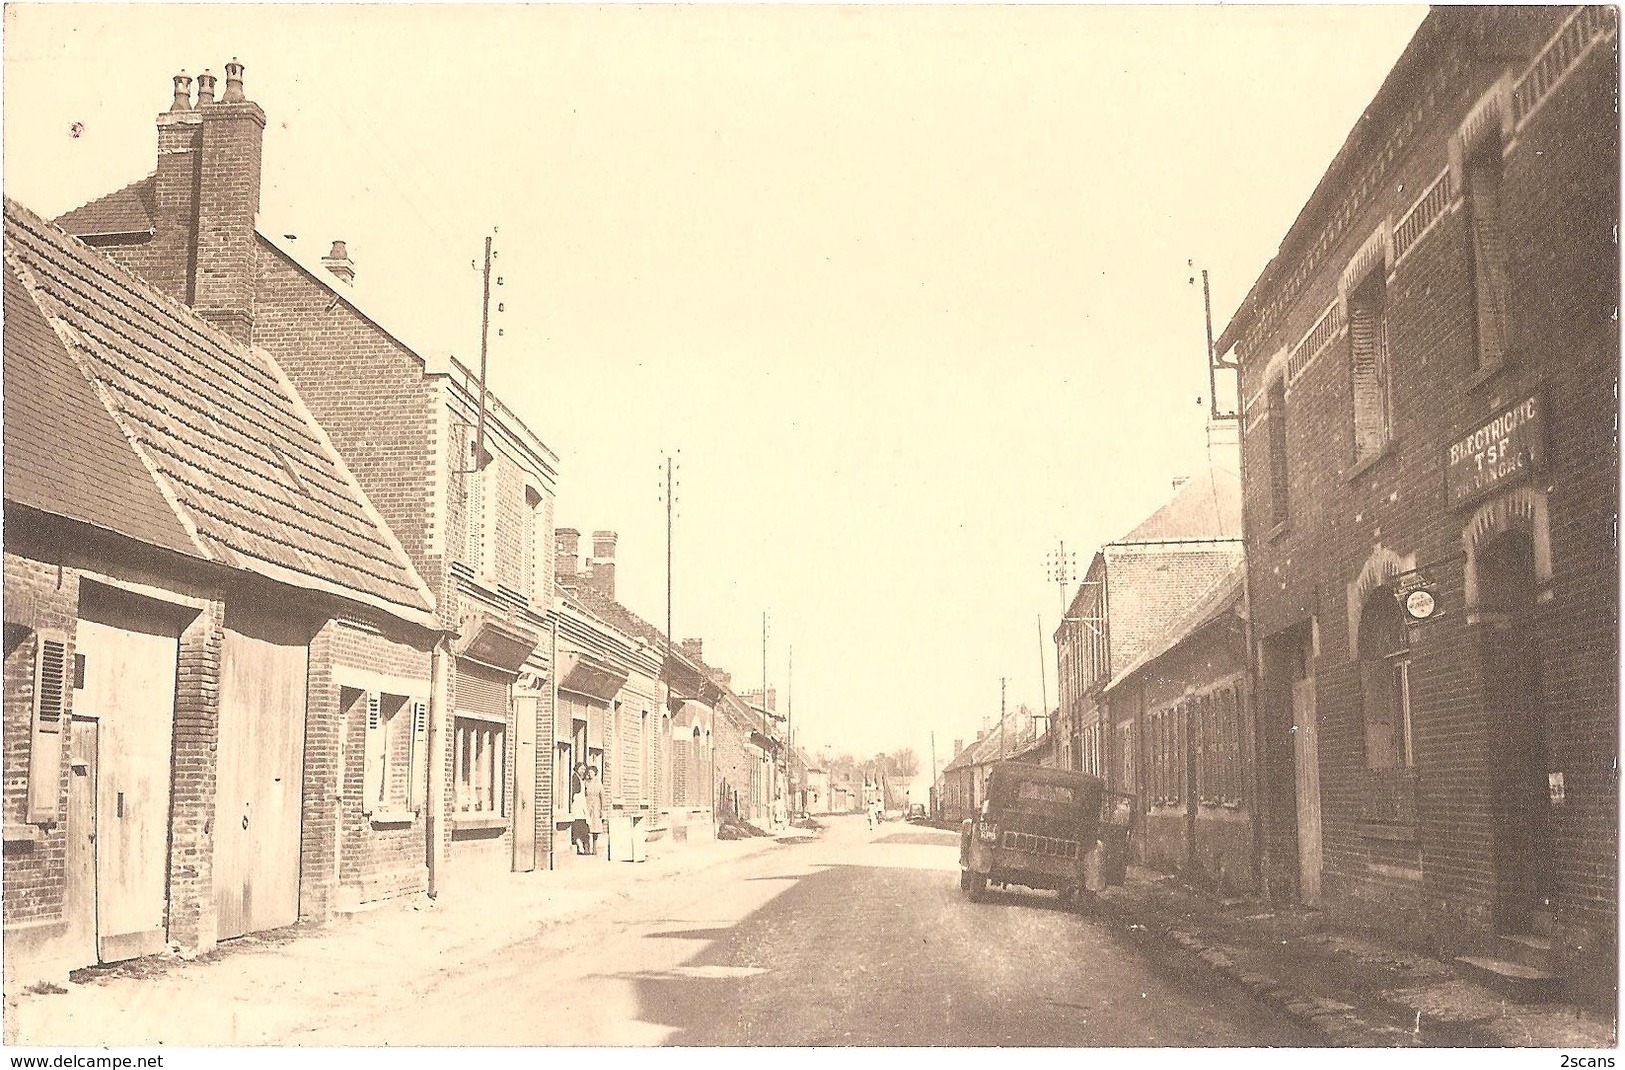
pixel 553 745
pixel 439 702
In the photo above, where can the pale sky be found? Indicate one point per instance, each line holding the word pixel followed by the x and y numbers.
pixel 907 286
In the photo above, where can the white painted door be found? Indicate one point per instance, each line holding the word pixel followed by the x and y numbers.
pixel 1306 751
pixel 129 690
pixel 259 777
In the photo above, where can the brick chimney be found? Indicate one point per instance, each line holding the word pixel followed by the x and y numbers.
pixel 724 679
pixel 180 147
pixel 959 745
pixel 601 570
pixel 228 200
pixel 339 263
pixel 566 542
pixel 692 647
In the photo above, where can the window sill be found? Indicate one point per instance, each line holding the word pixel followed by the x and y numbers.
pixel 18 833
pixel 1486 375
pixel 477 823
pixel 383 818
pixel 1388 451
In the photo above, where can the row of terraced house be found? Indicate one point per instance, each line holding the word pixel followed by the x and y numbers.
pixel 1377 674
pixel 288 627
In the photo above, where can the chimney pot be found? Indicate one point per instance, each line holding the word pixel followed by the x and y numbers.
pixel 692 648
pixel 339 263
pixel 183 93
pixel 205 88
pixel 234 83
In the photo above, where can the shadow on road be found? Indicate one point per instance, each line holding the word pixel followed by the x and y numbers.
pixel 888 955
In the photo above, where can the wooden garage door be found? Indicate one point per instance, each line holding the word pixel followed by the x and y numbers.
pixel 259 775
pixel 130 647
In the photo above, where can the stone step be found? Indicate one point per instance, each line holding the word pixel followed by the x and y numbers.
pixel 1523 984
pixel 1527 949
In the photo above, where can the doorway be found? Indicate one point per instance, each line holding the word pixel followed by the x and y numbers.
pixel 259 772
pixel 1306 769
pixel 1510 652
pixel 125 657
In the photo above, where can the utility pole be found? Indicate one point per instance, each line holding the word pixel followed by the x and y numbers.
pixel 671 509
pixel 485 331
pixel 1002 752
pixel 1043 684
pixel 790 734
pixel 1062 566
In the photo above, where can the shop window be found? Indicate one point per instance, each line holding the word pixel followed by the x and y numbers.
pixel 1385 685
pixel 1488 240
pixel 479 765
pixel 1368 365
pixel 1276 415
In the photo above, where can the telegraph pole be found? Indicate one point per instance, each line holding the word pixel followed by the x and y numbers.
pixel 1002 752
pixel 1043 683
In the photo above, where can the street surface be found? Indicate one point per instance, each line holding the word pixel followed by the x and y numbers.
pixel 857 938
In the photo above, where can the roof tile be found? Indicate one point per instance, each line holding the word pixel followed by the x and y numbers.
pixel 232 445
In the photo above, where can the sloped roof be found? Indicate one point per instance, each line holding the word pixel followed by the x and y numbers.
pixel 100 481
pixel 1207 506
pixel 1220 599
pixel 618 616
pixel 996 745
pixel 125 211
pixel 221 434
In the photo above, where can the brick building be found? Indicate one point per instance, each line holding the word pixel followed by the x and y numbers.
pixel 639 709
pixel 1429 368
pixel 1135 588
pixel 182 546
pixel 466 485
pixel 962 784
pixel 1185 705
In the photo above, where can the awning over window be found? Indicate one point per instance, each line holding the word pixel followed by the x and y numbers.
pixel 588 676
pixel 494 643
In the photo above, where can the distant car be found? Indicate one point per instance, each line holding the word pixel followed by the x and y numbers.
pixel 916 812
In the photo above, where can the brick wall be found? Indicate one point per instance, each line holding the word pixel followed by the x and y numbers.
pixel 366 390
pixel 1559 196
pixel 37 596
pixel 346 857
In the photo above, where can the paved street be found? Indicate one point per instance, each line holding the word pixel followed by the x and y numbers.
pixel 857 938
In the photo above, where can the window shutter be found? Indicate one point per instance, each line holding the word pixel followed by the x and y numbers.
pixel 1489 258
pixel 50 704
pixel 372 773
pixel 417 775
pixel 1369 369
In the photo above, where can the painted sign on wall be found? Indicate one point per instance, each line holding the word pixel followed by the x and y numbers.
pixel 1503 450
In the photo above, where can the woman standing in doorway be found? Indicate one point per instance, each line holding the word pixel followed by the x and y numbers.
pixel 594 794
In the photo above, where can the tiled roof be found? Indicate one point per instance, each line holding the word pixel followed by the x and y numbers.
pixel 125 211
pixel 226 440
pixel 48 402
pixel 1207 506
pixel 1220 599
pixel 618 616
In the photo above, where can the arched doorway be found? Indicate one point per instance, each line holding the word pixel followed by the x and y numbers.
pixel 1508 589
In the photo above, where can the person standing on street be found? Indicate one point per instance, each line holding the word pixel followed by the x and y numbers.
pixel 593 790
pixel 580 837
